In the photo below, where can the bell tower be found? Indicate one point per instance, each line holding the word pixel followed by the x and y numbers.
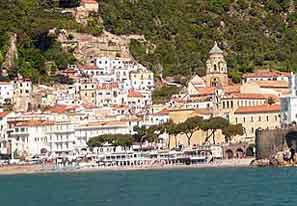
pixel 216 68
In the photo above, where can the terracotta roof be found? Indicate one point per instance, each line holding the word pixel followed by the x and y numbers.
pixel 273 84
pixel 5 83
pixel 112 85
pixel 60 109
pixel 120 106
pixel 106 123
pixel 88 1
pixel 134 93
pixel 266 74
pixel 67 71
pixel 211 90
pixel 251 96
pixel 163 112
pixel 205 91
pixel 32 123
pixel 232 89
pixel 3 114
pixel 88 67
pixel 265 108
pixel 89 106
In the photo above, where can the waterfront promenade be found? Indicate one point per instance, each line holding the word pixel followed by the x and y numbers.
pixel 32 169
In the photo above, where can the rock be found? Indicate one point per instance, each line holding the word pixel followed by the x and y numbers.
pixel 260 163
pixel 86 47
pixel 11 55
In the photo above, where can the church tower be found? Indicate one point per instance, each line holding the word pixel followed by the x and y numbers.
pixel 216 68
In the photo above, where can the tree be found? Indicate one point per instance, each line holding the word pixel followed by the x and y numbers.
pixel 270 101
pixel 190 126
pixel 1 58
pixel 232 130
pixel 173 130
pixel 213 124
pixel 123 140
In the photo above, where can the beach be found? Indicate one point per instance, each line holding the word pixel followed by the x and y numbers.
pixel 35 169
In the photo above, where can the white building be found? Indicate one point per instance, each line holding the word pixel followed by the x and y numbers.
pixel 265 75
pixel 108 94
pixel 289 103
pixel 4 146
pixel 84 132
pixel 33 137
pixel 6 92
pixel 142 79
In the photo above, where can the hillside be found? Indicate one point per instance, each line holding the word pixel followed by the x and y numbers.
pixel 254 34
pixel 31 20
pixel 179 33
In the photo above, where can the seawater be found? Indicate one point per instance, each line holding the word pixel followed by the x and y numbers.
pixel 184 187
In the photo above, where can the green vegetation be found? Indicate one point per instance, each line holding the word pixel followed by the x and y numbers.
pixel 163 94
pixel 94 26
pixel 253 33
pixel 31 20
pixel 188 127
pixel 124 140
pixel 193 124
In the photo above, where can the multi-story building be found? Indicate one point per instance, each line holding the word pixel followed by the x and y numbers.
pixel 253 117
pixel 265 75
pixel 86 131
pixel 86 88
pixel 138 101
pixel 41 136
pixel 6 92
pixel 142 79
pixel 22 96
pixel 4 145
pixel 289 103
pixel 108 94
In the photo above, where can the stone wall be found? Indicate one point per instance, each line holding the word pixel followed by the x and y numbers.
pixel 269 142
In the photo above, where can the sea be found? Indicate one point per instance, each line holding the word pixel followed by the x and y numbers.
pixel 181 187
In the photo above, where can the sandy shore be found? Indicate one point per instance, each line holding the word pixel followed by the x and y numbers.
pixel 32 169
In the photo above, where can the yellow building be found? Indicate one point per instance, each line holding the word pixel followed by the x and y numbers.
pixel 142 79
pixel 87 92
pixel 254 117
pixel 178 116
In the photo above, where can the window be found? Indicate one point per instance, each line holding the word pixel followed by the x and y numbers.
pixel 259 118
pixel 267 118
pixel 236 120
pixel 252 129
pixel 252 119
pixel 244 119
